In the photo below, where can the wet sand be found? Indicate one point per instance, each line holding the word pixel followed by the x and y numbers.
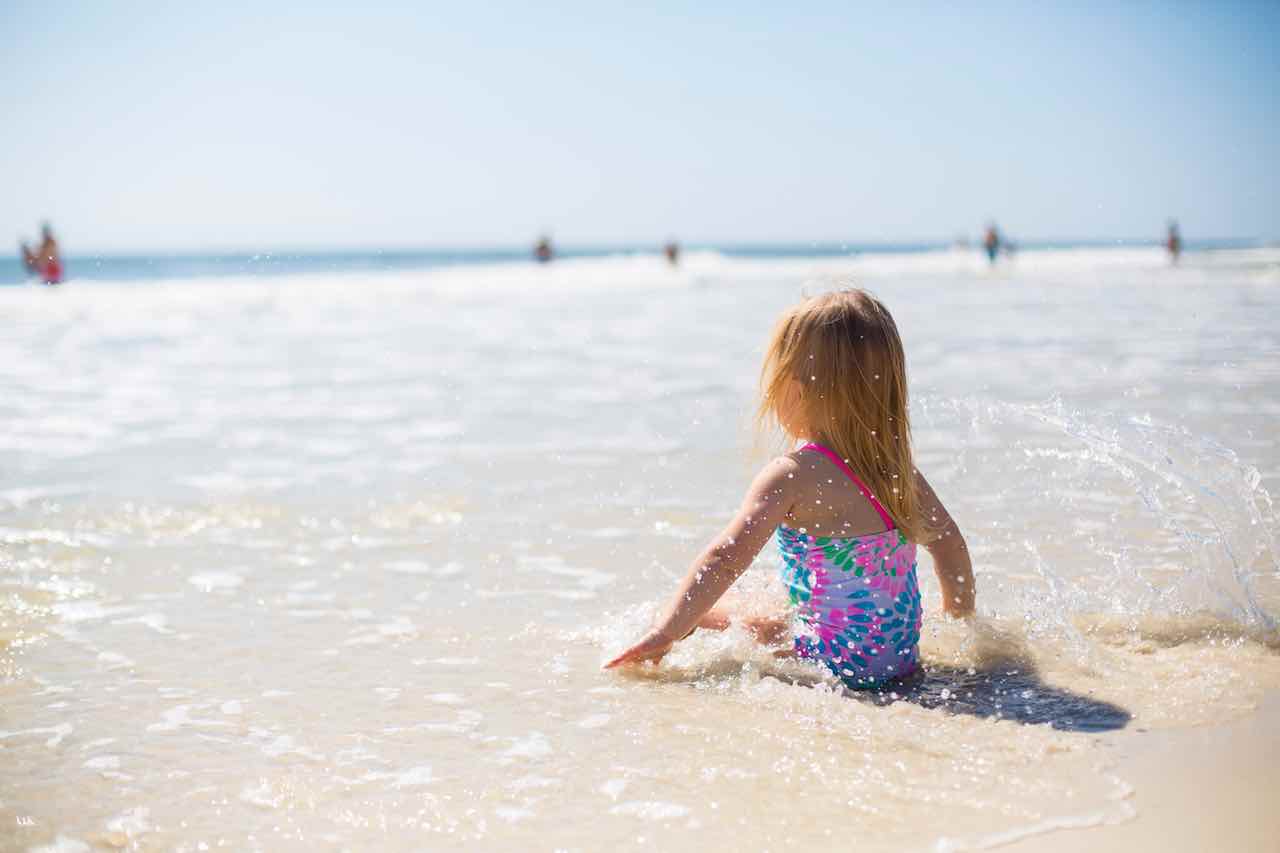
pixel 1212 787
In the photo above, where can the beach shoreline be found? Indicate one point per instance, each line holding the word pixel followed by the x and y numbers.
pixel 1207 787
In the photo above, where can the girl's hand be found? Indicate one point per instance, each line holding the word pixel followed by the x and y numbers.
pixel 651 647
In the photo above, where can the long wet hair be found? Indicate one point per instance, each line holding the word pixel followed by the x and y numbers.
pixel 843 350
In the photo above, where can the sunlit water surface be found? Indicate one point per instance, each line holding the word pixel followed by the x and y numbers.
pixel 331 562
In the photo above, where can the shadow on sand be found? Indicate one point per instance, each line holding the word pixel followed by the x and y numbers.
pixel 1009 691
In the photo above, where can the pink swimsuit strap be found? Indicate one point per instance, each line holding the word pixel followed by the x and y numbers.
pixel 844 466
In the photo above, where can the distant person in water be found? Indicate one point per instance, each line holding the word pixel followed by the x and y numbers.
pixel 1173 242
pixel 542 250
pixel 45 261
pixel 672 251
pixel 991 242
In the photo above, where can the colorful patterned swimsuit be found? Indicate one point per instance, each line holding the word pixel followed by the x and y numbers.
pixel 857 600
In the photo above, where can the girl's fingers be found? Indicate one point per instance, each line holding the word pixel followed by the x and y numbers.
pixel 629 656
pixel 636 654
pixel 619 660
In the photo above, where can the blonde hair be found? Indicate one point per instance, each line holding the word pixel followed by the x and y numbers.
pixel 844 351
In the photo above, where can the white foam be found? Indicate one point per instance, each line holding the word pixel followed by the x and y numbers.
pixel 20 497
pixel 285 745
pixel 62 844
pixel 454 661
pixel 532 782
pixel 533 745
pixel 210 581
pixel 157 622
pixel 415 567
pixel 613 788
pixel 103 762
pixel 650 810
pixel 115 660
pixel 411 778
pixel 129 825
pixel 180 717
pixel 58 732
pixel 399 628
pixel 86 611
pixel 261 794
pixel 94 744
pixel 553 565
pixel 16 537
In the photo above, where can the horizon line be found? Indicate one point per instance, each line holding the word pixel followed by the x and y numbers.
pixel 595 247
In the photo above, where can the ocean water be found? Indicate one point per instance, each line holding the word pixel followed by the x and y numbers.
pixel 258 265
pixel 329 558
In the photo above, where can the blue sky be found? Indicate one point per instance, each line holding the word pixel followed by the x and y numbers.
pixel 283 125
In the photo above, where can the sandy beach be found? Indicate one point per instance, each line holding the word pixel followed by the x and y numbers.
pixel 1202 788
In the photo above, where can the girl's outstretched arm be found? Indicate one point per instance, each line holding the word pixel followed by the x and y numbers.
pixel 727 556
pixel 950 554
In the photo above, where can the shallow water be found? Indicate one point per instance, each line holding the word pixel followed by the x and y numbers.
pixel 331 562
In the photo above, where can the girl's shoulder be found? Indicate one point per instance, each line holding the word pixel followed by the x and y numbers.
pixel 780 474
pixel 792 473
pixel 804 462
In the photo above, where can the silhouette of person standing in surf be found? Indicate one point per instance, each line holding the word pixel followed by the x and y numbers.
pixel 991 242
pixel 672 251
pixel 45 261
pixel 542 250
pixel 1173 242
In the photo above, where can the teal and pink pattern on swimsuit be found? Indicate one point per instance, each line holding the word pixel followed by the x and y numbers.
pixel 857 600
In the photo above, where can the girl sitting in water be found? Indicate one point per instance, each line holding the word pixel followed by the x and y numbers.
pixel 848 506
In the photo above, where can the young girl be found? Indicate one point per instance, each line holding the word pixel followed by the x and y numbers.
pixel 849 506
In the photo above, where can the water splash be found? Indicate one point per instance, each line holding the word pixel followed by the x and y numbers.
pixel 1115 514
